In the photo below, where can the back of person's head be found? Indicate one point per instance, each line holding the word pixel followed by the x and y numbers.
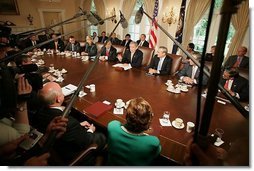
pixel 191 45
pixel 23 59
pixel 50 94
pixel 139 115
pixel 232 71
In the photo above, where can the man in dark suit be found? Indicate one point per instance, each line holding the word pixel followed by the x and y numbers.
pixel 78 136
pixel 114 40
pixel 210 56
pixel 57 44
pixel 239 60
pixel 142 41
pixel 32 41
pixel 126 42
pixel 103 38
pixel 236 85
pixel 190 72
pixel 132 57
pixel 108 52
pixel 161 63
pixel 72 45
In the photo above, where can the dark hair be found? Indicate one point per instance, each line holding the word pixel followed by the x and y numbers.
pixel 71 37
pixel 128 35
pixel 139 115
pixel 232 71
pixel 191 45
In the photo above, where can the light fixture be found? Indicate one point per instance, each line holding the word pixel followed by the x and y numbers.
pixel 110 14
pixel 30 19
pixel 169 17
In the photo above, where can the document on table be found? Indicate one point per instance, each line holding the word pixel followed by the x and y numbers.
pixel 123 66
pixel 69 89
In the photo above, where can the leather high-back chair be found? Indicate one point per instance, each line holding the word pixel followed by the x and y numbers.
pixel 176 63
pixel 147 55
pixel 244 73
pixel 119 49
pixel 99 46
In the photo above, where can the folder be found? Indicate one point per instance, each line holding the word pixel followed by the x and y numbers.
pixel 97 109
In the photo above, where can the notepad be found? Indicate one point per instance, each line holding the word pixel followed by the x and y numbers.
pixel 97 109
pixel 122 66
pixel 69 89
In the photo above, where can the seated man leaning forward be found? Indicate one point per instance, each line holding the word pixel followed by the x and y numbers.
pixel 190 72
pixel 128 144
pixel 78 136
pixel 132 57
pixel 161 63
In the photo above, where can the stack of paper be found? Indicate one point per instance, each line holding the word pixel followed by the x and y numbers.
pixel 69 89
pixel 123 66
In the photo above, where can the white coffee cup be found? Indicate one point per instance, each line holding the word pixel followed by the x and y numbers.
pixel 119 101
pixel 177 90
pixel 92 88
pixel 170 87
pixel 169 82
pixel 165 117
pixel 190 127
pixel 178 122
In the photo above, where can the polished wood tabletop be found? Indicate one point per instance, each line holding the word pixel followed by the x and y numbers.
pixel 112 84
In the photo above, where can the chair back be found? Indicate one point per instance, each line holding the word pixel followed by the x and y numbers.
pixel 119 49
pixel 147 55
pixel 176 63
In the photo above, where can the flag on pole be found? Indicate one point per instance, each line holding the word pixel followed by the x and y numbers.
pixel 154 28
pixel 179 31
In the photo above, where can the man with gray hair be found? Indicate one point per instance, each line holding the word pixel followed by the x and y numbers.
pixel 190 72
pixel 132 56
pixel 161 63
pixel 78 136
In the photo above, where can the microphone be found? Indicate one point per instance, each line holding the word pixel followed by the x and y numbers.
pixel 91 19
pixel 97 18
pixel 139 15
pixel 124 22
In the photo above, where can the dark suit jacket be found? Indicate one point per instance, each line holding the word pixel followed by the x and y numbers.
pixel 187 72
pixel 90 49
pixel 115 41
pixel 240 85
pixel 112 53
pixel 166 65
pixel 127 45
pixel 76 47
pixel 74 139
pixel 101 40
pixel 209 57
pixel 136 59
pixel 60 45
pixel 29 43
pixel 232 60
pixel 145 44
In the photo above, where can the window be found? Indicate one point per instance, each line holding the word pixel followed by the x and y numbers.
pixel 200 30
pixel 136 29
pixel 93 28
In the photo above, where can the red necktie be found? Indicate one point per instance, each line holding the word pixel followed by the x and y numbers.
pixel 107 52
pixel 226 84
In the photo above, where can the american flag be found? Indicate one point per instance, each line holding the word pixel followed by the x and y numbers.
pixel 153 30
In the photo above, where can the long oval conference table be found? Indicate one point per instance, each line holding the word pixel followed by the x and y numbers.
pixel 112 84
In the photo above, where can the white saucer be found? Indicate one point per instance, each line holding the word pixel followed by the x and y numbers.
pixel 171 91
pixel 123 104
pixel 173 124
pixel 184 90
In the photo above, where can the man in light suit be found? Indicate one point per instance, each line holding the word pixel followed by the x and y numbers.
pixel 72 45
pixel 190 72
pixel 132 56
pixel 236 85
pixel 142 41
pixel 161 63
pixel 239 60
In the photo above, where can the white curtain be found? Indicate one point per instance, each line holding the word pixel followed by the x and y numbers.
pixel 240 21
pixel 195 11
pixel 149 7
pixel 127 9
pixel 100 9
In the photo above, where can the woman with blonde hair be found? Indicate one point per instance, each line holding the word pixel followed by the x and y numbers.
pixel 90 48
pixel 128 144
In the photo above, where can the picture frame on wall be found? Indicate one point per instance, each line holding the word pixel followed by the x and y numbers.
pixel 9 7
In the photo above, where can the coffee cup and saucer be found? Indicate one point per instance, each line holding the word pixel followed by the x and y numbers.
pixel 119 103
pixel 177 90
pixel 184 88
pixel 178 123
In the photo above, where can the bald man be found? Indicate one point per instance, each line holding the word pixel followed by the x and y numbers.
pixel 239 60
pixel 78 136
